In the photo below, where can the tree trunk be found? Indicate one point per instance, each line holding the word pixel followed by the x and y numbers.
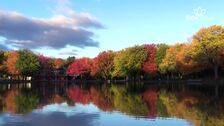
pixel 217 92
pixel 215 68
pixel 127 78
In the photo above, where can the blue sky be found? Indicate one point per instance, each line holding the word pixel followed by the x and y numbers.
pixel 103 24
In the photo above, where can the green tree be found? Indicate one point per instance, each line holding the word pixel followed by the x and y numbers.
pixel 208 46
pixel 128 62
pixel 27 63
pixel 69 61
pixel 169 63
pixel 160 53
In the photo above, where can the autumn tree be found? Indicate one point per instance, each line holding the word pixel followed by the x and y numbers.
pixel 160 54
pixel 45 67
pixel 45 62
pixel 27 62
pixel 80 67
pixel 12 57
pixel 69 61
pixel 149 65
pixel 208 46
pixel 57 63
pixel 185 63
pixel 2 64
pixel 169 63
pixel 128 62
pixel 103 64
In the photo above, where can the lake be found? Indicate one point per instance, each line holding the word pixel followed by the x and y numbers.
pixel 157 104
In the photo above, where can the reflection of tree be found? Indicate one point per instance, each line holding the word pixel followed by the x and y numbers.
pixel 110 97
pixel 36 96
pixel 1 103
pixel 161 108
pixel 91 95
pixel 127 102
pixel 26 102
pixel 57 99
pixel 150 97
pixel 100 99
pixel 10 100
pixel 192 106
pixel 78 95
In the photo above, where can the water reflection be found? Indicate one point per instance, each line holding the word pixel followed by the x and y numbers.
pixel 110 104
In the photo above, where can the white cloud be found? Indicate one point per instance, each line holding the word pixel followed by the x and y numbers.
pixel 64 13
pixel 69 53
pixel 199 13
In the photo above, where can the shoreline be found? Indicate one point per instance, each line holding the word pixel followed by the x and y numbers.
pixel 185 81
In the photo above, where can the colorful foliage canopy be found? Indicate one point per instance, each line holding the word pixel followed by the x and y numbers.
pixel 128 62
pixel 149 65
pixel 208 46
pixel 185 63
pixel 169 62
pixel 2 64
pixel 45 62
pixel 80 67
pixel 103 64
pixel 161 53
pixel 12 58
pixel 27 63
pixel 69 61
pixel 57 63
pixel 204 52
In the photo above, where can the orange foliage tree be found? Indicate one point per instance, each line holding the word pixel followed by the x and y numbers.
pixel 169 63
pixel 12 58
pixel 57 63
pixel 186 65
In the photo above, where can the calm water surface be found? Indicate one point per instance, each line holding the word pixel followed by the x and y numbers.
pixel 47 104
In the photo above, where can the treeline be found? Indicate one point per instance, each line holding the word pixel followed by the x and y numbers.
pixel 24 63
pixel 200 57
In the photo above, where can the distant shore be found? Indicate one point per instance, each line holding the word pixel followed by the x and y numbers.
pixel 180 81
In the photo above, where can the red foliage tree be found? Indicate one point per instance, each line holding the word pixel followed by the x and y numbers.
pixel 80 67
pixel 44 62
pixel 149 66
pixel 103 64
